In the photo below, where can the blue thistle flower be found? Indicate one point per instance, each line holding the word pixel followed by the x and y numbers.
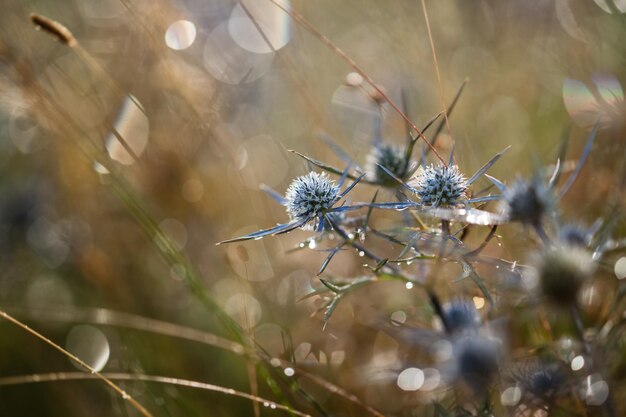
pixel 561 271
pixel 309 196
pixel 387 157
pixel 527 201
pixel 309 200
pixel 574 235
pixel 477 360
pixel 461 315
pixel 544 383
pixel 441 185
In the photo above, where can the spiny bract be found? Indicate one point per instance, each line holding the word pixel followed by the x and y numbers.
pixel 441 185
pixel 310 195
pixel 392 158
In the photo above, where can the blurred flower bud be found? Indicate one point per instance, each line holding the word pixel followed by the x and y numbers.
pixel 460 316
pixel 527 201
pixel 561 271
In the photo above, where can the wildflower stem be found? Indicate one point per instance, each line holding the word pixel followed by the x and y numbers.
pixel 541 232
pixel 432 297
pixel 436 304
pixel 445 227
pixel 344 235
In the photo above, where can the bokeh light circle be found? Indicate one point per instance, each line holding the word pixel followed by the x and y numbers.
pixel 259 26
pixel 180 35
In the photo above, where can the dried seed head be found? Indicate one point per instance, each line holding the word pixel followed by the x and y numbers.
pixel 561 271
pixel 310 195
pixel 527 201
pixel 441 185
pixel 392 158
pixel 461 315
pixel 54 28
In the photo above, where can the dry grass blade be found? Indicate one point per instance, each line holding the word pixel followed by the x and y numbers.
pixel 94 374
pixel 439 82
pixel 103 316
pixel 79 376
pixel 341 392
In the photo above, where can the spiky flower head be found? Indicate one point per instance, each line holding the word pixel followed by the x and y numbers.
pixel 441 185
pixel 477 359
pixel 392 158
pixel 310 195
pixel 574 235
pixel 461 315
pixel 561 271
pixel 527 201
pixel 544 383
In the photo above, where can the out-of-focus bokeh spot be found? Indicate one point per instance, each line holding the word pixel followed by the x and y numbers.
pixel 600 100
pixel 180 35
pixel 129 135
pixel 620 268
pixel 260 27
pixel 411 379
pixel 607 5
pixel 90 345
pixel 229 63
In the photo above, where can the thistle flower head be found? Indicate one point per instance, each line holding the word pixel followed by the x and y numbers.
pixel 392 158
pixel 541 382
pixel 461 315
pixel 527 201
pixel 310 195
pixel 441 185
pixel 561 271
pixel 574 235
pixel 477 360
pixel 544 382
